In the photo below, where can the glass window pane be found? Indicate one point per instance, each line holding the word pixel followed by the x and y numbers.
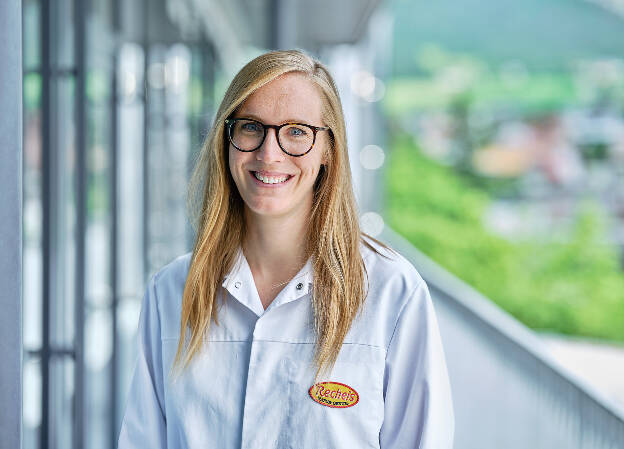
pixel 63 31
pixel 61 401
pixel 98 325
pixel 98 231
pixel 128 310
pixel 63 198
pixel 98 395
pixel 32 213
pixel 169 144
pixel 130 117
pixel 31 401
pixel 129 267
pixel 31 14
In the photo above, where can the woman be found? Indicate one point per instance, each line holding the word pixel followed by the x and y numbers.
pixel 321 337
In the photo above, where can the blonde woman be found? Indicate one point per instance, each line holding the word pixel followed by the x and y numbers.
pixel 286 327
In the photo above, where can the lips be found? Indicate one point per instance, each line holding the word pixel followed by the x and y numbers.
pixel 272 174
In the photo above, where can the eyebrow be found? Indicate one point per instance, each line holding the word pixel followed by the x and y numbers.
pixel 255 117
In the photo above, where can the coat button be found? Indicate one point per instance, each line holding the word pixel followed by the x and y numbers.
pixel 299 286
pixel 237 285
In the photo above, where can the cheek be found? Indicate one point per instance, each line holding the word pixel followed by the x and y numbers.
pixel 309 172
pixel 314 164
pixel 233 157
pixel 236 159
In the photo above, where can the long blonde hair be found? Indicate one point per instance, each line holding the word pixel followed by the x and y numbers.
pixel 216 210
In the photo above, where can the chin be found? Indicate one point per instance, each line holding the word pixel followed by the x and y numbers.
pixel 269 209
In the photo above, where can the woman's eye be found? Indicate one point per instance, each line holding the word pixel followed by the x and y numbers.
pixel 296 132
pixel 253 127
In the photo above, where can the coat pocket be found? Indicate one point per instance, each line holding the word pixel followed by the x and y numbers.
pixel 347 408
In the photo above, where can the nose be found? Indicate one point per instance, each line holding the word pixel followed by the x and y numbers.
pixel 270 149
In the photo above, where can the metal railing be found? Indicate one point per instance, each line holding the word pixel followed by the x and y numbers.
pixel 508 392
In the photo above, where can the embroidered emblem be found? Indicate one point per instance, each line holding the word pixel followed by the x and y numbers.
pixel 334 394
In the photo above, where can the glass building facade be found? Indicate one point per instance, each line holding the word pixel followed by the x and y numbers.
pixel 117 98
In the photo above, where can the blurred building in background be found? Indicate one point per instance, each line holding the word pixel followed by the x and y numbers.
pixel 508 128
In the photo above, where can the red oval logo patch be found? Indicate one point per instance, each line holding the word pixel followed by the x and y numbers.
pixel 334 394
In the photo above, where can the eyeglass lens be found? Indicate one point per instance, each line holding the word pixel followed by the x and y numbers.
pixel 248 135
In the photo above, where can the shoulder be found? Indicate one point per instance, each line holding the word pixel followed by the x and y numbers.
pixel 167 286
pixel 170 279
pixel 388 266
pixel 393 282
pixel 174 271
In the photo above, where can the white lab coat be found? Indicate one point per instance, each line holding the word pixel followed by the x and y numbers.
pixel 249 387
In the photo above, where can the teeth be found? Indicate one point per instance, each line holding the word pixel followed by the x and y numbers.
pixel 269 179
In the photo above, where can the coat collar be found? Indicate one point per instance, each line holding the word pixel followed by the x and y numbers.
pixel 239 282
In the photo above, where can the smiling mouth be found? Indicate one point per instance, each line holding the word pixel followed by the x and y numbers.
pixel 270 179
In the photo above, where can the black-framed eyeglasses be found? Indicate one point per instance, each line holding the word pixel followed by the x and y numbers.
pixel 295 139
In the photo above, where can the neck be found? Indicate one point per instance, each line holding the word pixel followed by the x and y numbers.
pixel 275 246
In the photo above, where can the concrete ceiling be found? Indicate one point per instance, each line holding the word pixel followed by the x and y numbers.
pixel 233 24
pixel 299 23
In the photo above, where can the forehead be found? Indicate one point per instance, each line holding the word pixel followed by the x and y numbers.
pixel 291 96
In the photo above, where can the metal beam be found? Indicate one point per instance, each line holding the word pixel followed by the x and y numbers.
pixel 114 217
pixel 11 223
pixel 146 136
pixel 80 18
pixel 49 158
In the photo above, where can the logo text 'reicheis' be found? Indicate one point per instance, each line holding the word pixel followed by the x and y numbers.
pixel 334 394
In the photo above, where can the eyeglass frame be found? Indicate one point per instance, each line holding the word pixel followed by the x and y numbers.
pixel 230 121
